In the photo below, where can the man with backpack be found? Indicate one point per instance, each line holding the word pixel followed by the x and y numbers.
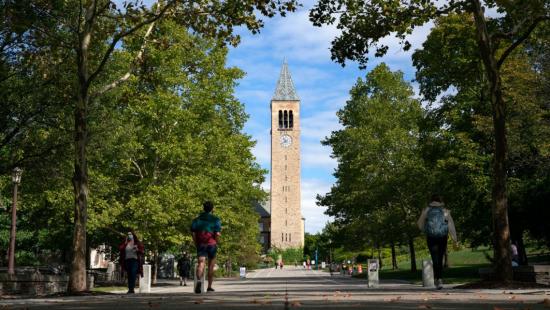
pixel 437 223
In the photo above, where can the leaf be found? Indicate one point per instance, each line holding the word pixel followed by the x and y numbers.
pixel 295 304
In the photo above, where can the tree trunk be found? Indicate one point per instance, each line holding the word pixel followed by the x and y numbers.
pixel 413 254
pixel 379 257
pixel 77 278
pixel 501 230
pixel 393 257
pixel 154 268
pixel 521 251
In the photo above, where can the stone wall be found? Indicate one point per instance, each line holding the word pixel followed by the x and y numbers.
pixel 533 273
pixel 34 283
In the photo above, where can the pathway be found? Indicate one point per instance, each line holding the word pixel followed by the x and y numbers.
pixel 297 288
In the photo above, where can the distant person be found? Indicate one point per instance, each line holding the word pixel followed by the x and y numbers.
pixel 184 268
pixel 206 229
pixel 515 254
pixel 281 264
pixel 437 223
pixel 131 259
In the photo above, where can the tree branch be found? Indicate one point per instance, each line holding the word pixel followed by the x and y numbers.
pixel 521 39
pixel 117 38
pixel 138 168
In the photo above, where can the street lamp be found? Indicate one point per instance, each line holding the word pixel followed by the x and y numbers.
pixel 16 179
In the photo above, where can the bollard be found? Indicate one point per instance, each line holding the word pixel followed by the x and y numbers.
pixel 203 280
pixel 372 273
pixel 145 281
pixel 427 274
pixel 89 280
pixel 110 271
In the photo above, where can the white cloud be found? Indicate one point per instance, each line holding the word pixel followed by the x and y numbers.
pixel 315 155
pixel 314 215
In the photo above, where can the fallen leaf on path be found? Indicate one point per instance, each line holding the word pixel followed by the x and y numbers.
pixel 546 302
pixel 199 301
pixel 497 308
pixel 153 305
pixel 424 307
pixel 512 297
pixel 295 304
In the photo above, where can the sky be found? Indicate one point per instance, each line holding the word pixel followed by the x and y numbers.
pixel 322 85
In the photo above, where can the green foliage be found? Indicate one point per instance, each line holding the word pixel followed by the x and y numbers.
pixel 457 135
pixel 160 145
pixel 377 197
pixel 289 256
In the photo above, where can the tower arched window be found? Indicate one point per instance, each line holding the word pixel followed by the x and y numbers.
pixel 280 119
pixel 285 119
pixel 290 119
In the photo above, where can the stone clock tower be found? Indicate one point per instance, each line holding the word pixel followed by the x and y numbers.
pixel 287 224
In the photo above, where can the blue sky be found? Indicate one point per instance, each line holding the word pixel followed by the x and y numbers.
pixel 323 87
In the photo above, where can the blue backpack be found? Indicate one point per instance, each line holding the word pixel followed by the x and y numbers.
pixel 436 224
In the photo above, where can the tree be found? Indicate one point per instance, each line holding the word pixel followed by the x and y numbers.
pixel 91 31
pixel 364 24
pixel 458 142
pixel 379 163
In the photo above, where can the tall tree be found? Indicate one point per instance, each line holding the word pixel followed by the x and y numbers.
pixel 92 31
pixel 365 23
pixel 463 134
pixel 379 163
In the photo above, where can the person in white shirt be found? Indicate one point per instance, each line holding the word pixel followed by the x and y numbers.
pixel 437 223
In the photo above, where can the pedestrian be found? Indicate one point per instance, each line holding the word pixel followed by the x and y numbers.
pixel 281 264
pixel 515 254
pixel 206 230
pixel 184 268
pixel 131 259
pixel 437 223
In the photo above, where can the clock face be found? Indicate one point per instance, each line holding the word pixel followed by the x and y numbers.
pixel 286 140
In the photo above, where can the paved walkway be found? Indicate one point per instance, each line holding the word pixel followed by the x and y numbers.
pixel 298 288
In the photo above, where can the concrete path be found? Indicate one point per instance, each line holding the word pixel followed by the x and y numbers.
pixel 298 288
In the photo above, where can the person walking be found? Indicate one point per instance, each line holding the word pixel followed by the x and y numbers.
pixel 131 259
pixel 184 268
pixel 437 223
pixel 206 230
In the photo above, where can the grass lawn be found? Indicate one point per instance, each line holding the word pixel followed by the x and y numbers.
pixel 464 267
pixel 108 289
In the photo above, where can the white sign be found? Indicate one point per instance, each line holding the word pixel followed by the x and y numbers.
pixel 323 265
pixel 242 272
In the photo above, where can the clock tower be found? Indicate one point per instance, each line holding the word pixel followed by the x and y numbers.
pixel 287 223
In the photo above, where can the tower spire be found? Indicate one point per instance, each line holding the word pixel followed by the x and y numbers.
pixel 285 90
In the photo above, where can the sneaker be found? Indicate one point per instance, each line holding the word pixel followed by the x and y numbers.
pixel 210 289
pixel 184 284
pixel 131 292
pixel 198 288
pixel 181 282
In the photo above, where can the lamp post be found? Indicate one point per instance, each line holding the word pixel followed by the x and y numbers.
pixel 16 178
